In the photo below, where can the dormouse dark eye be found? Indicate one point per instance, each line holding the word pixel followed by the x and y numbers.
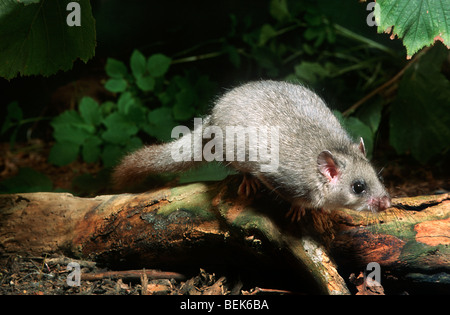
pixel 358 187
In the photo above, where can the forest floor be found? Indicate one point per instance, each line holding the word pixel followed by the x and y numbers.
pixel 50 276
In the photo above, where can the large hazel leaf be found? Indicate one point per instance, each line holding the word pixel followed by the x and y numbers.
pixel 419 22
pixel 35 38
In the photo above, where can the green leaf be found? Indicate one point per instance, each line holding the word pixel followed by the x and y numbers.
pixel 146 83
pixel 13 117
pixel 69 127
pixel 267 59
pixel 419 120
pixel 67 117
pixel 418 23
pixel 137 64
pixel 279 10
pixel 133 144
pixel 36 40
pixel 158 64
pixel 111 154
pixel 107 108
pixel 131 109
pixel 115 136
pixel 27 180
pixel 91 149
pixel 137 114
pixel 160 115
pixel 205 91
pixel 63 153
pixel 233 55
pixel 116 85
pixel 90 111
pixel 116 69
pixel 71 133
pixel 124 102
pixel 184 106
pixel 212 171
pixel 310 72
pixel 119 129
pixel 267 32
pixel 117 120
pixel 161 123
pixel 370 114
pixel 339 117
pixel 356 128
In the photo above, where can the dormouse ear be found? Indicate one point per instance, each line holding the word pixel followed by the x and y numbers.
pixel 328 166
pixel 361 146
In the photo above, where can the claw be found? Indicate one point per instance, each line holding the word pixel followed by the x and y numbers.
pixel 250 185
pixel 296 213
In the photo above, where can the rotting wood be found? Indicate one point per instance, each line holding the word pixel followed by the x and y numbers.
pixel 396 238
pixel 202 223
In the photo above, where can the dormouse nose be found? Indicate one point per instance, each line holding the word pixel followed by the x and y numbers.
pixel 384 203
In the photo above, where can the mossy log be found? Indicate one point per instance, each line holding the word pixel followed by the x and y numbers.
pixel 209 224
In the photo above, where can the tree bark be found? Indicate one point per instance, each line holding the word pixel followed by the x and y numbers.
pixel 209 224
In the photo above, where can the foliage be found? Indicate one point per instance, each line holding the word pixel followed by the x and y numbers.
pixel 212 171
pixel 364 125
pixel 14 120
pixel 418 23
pixel 35 37
pixel 27 180
pixel 106 131
pixel 420 120
pixel 40 27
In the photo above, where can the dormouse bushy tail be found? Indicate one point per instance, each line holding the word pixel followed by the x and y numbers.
pixel 154 159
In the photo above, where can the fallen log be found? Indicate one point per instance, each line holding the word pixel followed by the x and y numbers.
pixel 209 224
pixel 411 242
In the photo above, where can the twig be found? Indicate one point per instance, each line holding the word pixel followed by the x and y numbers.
pixel 199 57
pixel 362 39
pixel 132 274
pixel 259 290
pixel 352 108
pixel 144 282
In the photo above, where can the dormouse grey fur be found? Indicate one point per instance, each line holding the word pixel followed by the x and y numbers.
pixel 319 166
